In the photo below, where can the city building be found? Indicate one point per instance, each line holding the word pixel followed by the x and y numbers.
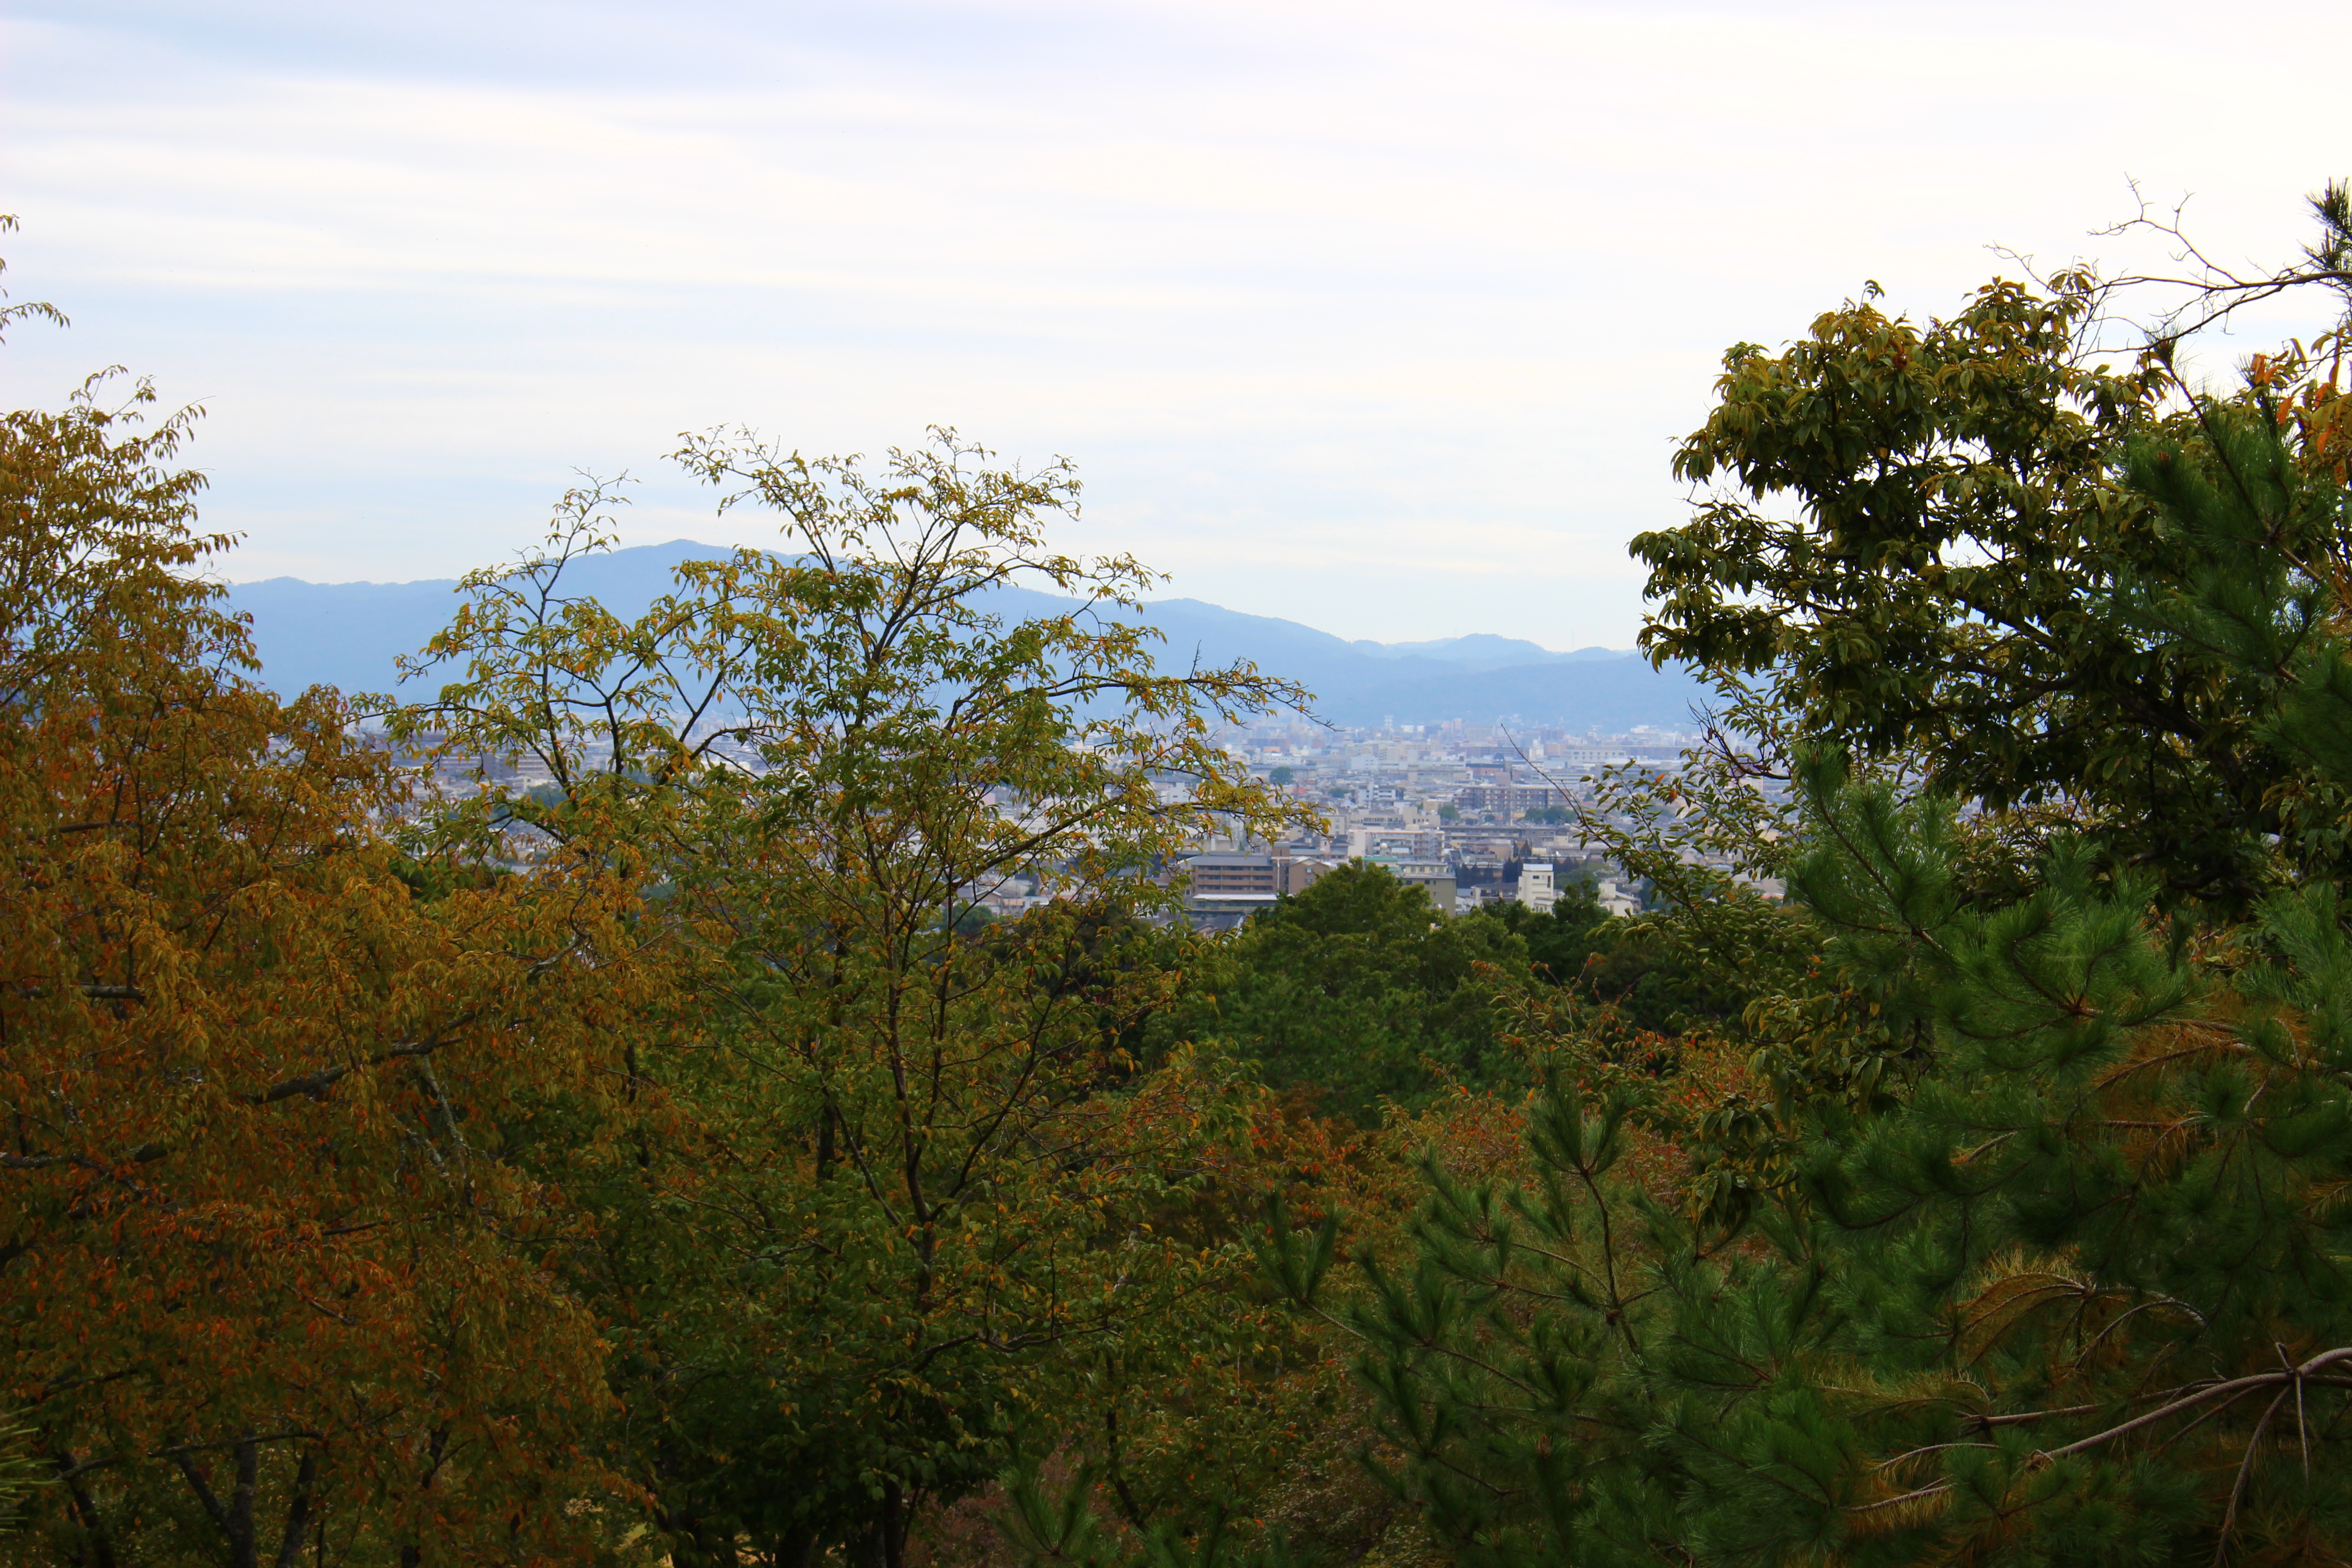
pixel 1222 890
pixel 1234 877
pixel 1510 797
pixel 1385 846
pixel 1385 792
pixel 1435 875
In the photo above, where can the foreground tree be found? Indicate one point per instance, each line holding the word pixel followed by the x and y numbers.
pixel 2020 1241
pixel 890 1190
pixel 2069 1296
pixel 268 1283
pixel 1970 568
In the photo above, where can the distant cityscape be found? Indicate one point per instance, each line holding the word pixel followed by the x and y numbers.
pixel 1446 806
pixel 1406 780
pixel 1474 813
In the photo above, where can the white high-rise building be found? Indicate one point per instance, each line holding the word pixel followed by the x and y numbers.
pixel 1536 890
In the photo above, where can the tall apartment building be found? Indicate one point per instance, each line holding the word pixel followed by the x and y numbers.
pixel 1537 891
pixel 1234 877
pixel 1510 797
pixel 1222 890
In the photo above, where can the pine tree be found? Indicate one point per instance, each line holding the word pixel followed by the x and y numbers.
pixel 2030 1244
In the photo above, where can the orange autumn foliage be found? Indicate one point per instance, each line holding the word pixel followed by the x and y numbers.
pixel 268 1280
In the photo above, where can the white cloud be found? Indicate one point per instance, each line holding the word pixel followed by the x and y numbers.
pixel 1381 316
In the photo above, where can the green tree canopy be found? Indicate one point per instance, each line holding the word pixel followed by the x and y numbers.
pixel 1946 541
pixel 1359 988
pixel 2016 1238
pixel 884 1192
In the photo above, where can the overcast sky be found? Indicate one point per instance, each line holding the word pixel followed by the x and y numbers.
pixel 1382 317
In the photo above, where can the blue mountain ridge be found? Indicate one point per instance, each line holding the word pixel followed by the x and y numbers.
pixel 349 634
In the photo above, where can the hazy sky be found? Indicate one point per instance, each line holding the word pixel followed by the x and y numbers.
pixel 1382 317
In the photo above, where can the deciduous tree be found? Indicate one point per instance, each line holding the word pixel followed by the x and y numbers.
pixel 268 1283
pixel 903 1170
pixel 1928 536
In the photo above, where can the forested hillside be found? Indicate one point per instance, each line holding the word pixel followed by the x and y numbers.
pixel 660 1165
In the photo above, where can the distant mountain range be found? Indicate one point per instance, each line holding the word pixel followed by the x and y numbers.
pixel 1482 651
pixel 348 634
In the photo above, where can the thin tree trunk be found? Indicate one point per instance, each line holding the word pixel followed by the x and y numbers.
pixel 248 1479
pixel 101 1550
pixel 894 1526
pixel 412 1554
pixel 235 1517
pixel 298 1515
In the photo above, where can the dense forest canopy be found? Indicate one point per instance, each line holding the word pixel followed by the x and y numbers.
pixel 661 1163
